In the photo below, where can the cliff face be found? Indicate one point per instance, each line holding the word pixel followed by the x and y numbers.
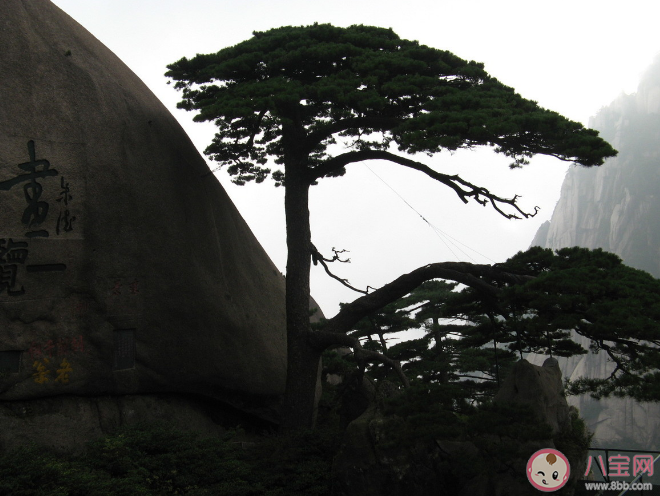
pixel 615 207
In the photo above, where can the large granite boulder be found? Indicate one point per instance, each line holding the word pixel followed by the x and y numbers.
pixel 125 268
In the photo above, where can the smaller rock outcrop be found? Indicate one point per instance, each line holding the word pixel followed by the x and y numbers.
pixel 541 389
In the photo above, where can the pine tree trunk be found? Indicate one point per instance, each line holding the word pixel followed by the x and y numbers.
pixel 302 359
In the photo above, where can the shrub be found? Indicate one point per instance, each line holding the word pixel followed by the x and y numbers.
pixel 159 460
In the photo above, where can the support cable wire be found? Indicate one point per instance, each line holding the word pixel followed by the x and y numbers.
pixel 438 232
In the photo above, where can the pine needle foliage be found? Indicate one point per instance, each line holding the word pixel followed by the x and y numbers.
pixel 367 88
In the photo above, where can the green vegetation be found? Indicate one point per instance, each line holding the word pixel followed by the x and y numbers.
pixel 158 460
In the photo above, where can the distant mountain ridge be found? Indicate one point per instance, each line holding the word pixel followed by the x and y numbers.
pixel 615 207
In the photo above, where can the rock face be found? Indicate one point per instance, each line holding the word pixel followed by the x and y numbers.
pixel 124 267
pixel 616 207
pixel 541 389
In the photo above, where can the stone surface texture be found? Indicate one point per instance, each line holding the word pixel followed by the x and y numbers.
pixel 615 207
pixel 125 267
pixel 541 389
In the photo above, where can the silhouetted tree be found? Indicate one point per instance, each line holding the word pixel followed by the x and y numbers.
pixel 283 97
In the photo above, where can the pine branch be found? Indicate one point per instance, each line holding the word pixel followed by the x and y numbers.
pixel 462 272
pixel 326 130
pixel 318 258
pixel 324 339
pixel 463 189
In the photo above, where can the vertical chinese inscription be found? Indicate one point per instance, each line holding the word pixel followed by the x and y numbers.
pixel 41 373
pixel 63 372
pixel 64 219
pixel 34 177
pixel 36 211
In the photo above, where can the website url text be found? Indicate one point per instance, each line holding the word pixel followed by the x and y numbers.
pixel 618 486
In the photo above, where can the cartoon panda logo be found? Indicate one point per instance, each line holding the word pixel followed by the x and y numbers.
pixel 548 470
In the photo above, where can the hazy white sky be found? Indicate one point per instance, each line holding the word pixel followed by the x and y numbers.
pixel 572 56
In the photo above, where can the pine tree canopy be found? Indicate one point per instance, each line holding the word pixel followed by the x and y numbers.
pixel 294 91
pixel 615 307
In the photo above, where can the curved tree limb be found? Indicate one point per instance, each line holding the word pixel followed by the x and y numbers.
pixel 335 329
pixel 462 272
pixel 463 189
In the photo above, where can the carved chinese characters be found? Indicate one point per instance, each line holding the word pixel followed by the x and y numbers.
pixel 50 359
pixel 38 240
pixel 36 211
pixel 40 209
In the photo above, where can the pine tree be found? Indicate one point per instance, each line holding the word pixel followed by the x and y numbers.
pixel 283 97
